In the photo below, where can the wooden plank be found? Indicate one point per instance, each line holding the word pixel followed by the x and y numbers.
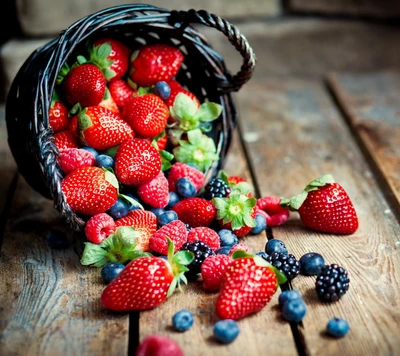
pixel 50 304
pixel 297 135
pixel 371 105
pixel 259 333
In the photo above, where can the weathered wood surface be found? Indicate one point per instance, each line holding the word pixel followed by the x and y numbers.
pixel 49 303
pixel 371 105
pixel 295 134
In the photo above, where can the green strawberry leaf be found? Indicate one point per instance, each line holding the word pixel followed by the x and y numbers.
pixel 62 73
pixel 127 235
pixel 103 51
pixel 166 158
pixel 94 255
pixel 184 257
pixel 208 112
pixel 84 121
pixel 76 109
pixel 131 201
pixel 112 179
pixel 241 254
pixel 81 59
pixel 224 177
pixel 184 107
pixel 111 151
pixel 144 91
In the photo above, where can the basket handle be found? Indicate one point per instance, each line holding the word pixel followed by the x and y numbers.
pixel 237 39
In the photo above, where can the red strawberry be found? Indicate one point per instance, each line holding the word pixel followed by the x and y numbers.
pixel 247 287
pixel 213 269
pixel 99 227
pixel 121 92
pixel 65 139
pixel 195 211
pixel 147 114
pixel 162 141
pixel 146 282
pixel 241 231
pixel 143 221
pixel 240 246
pixel 274 213
pixel 84 84
pixel 73 126
pixel 175 230
pixel 158 345
pixel 236 180
pixel 58 114
pixel 102 129
pixel 137 162
pixel 205 234
pixel 155 63
pixel 325 206
pixel 72 158
pixel 182 170
pixel 176 88
pixel 112 56
pixel 155 192
pixel 90 190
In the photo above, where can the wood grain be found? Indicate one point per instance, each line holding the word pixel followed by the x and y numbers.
pixel 372 107
pixel 49 304
pixel 297 135
pixel 259 334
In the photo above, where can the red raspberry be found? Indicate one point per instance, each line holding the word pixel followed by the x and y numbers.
pixel 205 234
pixel 155 192
pixel 195 211
pixel 212 271
pixel 175 230
pixel 182 170
pixel 65 139
pixel 99 227
pixel 239 246
pixel 273 212
pixel 158 345
pixel 72 158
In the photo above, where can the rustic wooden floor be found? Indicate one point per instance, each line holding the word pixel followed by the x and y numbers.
pixel 291 131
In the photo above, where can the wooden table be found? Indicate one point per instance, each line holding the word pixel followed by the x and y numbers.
pixel 291 131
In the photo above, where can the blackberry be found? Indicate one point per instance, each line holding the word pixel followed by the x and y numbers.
pixel 285 263
pixel 201 252
pixel 217 188
pixel 332 283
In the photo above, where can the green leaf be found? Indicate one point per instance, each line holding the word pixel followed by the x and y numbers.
pixel 321 181
pixel 172 287
pixel 224 177
pixel 127 235
pixel 109 73
pixel 103 51
pixel 84 121
pixel 184 106
pixel 111 151
pixel 131 201
pixel 81 59
pixel 93 255
pixel 195 137
pixel 112 179
pixel 220 203
pixel 208 112
pixel 249 221
pixel 184 257
pixel 281 278
pixel 241 254
pixel 170 250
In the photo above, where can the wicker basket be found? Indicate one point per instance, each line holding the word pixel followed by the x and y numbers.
pixel 203 72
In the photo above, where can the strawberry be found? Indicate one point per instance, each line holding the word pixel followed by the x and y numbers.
pixel 109 103
pixel 240 246
pixel 58 114
pixel 325 206
pixel 147 114
pixel 161 141
pixel 236 179
pixel 65 139
pixel 213 269
pixel 143 221
pixel 158 345
pixel 84 84
pixel 102 129
pixel 73 126
pixel 273 212
pixel 111 56
pixel 146 282
pixel 136 162
pixel 121 92
pixel 90 190
pixel 155 192
pixel 98 227
pixel 155 63
pixel 72 158
pixel 195 211
pixel 175 230
pixel 182 170
pixel 247 286
pixel 205 234
pixel 177 88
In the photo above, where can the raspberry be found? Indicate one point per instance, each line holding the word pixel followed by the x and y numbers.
pixel 217 188
pixel 158 345
pixel 175 230
pixel 239 246
pixel 72 158
pixel 212 271
pixel 272 210
pixel 201 252
pixel 332 283
pixel 99 227
pixel 205 234
pixel 182 170
pixel 155 192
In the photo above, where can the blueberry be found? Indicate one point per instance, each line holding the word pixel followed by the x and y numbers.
pixel 91 150
pixel 104 161
pixel 227 238
pixel 294 310
pixel 185 188
pixel 182 320
pixel 224 250
pixel 57 239
pixel 119 209
pixel 311 264
pixel 262 254
pixel 111 270
pixel 337 327
pixel 261 224
pixel 288 295
pixel 173 198
pixel 226 331
pixel 157 211
pixel 163 90
pixel 275 245
pixel 167 217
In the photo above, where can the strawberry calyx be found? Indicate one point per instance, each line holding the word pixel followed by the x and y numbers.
pixel 237 209
pixel 178 263
pixel 131 202
pixel 111 178
pixel 295 202
pixel 166 157
pixel 199 149
pixel 98 56
pixel 117 247
pixel 259 261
